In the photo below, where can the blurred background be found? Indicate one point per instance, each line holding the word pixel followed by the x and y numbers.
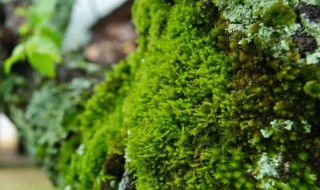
pixel 98 31
pixel 17 171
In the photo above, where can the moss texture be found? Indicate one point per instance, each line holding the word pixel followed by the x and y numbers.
pixel 218 95
pixel 215 78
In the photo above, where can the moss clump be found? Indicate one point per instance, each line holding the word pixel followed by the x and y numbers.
pixel 102 132
pixel 210 100
pixel 222 110
pixel 279 14
pixel 217 96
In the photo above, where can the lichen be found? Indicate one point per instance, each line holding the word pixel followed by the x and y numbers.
pixel 267 170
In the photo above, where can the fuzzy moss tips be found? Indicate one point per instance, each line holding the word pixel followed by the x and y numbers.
pixel 215 97
pixel 312 88
pixel 91 172
pixel 103 134
pixel 168 111
pixel 196 115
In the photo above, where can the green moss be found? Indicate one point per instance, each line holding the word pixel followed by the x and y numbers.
pixel 279 14
pixel 197 114
pixel 215 97
pixel 102 131
pixel 312 88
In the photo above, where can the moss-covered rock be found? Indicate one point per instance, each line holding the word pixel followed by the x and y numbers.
pixel 223 98
pixel 218 95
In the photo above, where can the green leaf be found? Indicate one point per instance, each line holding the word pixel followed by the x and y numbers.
pixel 17 55
pixel 43 63
pixel 24 29
pixel 50 33
pixel 40 12
pixel 44 45
pixel 21 11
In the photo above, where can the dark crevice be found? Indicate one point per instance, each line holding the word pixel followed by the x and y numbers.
pixel 169 2
pixel 115 166
pixel 312 12
pixel 305 43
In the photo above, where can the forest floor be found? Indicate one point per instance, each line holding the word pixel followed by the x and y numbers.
pixel 24 178
pixel 17 172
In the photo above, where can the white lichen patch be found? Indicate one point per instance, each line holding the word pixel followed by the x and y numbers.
pixel 266 133
pixel 312 2
pixel 244 16
pixel 312 177
pixel 288 124
pixel 81 150
pixel 267 166
pixel 306 126
pixel 286 167
pixel 246 12
pixel 276 126
pixel 312 29
pixel 313 58
pixel 266 170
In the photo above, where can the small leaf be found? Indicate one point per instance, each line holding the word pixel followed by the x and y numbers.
pixel 42 63
pixel 17 55
pixel 50 33
pixel 41 12
pixel 43 45
pixel 21 11
pixel 24 29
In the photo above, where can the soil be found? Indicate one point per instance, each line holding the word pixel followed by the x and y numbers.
pixel 25 178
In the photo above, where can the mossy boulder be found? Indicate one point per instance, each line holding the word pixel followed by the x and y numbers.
pixel 218 95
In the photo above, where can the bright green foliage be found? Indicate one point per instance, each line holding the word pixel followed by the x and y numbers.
pixel 50 120
pixel 7 88
pixel 103 133
pixel 41 41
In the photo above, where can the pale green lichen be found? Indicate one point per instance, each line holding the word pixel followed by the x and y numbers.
pixel 288 124
pixel 247 12
pixel 286 166
pixel 245 16
pixel 267 169
pixel 278 125
pixel 81 150
pixel 313 58
pixel 312 29
pixel 306 126
pixel 266 133
pixel 311 2
pixel 312 177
